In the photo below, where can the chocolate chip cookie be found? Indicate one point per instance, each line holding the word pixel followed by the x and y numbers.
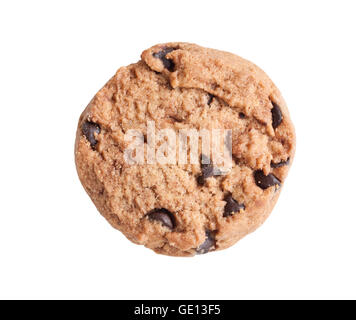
pixel 184 209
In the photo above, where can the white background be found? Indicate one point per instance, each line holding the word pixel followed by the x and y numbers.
pixel 55 55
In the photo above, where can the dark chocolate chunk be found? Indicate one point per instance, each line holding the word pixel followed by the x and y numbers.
pixel 280 164
pixel 232 206
pixel 164 216
pixel 265 182
pixel 210 98
pixel 208 244
pixel 242 115
pixel 168 63
pixel 201 180
pixel 277 115
pixel 89 129
pixel 228 141
pixel 207 170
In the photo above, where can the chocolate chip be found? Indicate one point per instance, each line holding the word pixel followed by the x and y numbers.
pixel 277 116
pixel 265 182
pixel 232 206
pixel 164 216
pixel 228 142
pixel 89 129
pixel 168 63
pixel 208 244
pixel 207 170
pixel 210 98
pixel 242 115
pixel 280 164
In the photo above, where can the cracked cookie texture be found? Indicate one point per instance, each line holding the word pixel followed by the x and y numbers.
pixel 184 210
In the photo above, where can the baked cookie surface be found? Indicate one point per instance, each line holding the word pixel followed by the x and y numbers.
pixel 186 209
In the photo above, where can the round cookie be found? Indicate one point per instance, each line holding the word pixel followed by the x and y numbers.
pixel 186 209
